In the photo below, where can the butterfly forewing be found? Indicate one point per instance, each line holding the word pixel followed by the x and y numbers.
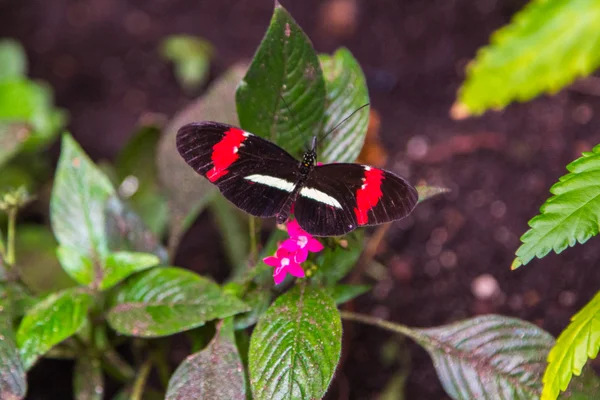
pixel 254 174
pixel 338 198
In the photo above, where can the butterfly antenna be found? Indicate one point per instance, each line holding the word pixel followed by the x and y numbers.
pixel 345 119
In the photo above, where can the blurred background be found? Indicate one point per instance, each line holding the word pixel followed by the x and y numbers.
pixel 450 259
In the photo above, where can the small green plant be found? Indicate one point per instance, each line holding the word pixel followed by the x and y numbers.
pixel 123 289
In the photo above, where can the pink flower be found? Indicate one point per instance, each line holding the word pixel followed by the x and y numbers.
pixel 300 242
pixel 284 263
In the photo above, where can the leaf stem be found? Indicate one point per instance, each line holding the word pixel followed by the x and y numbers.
pixel 10 242
pixel 253 242
pixel 383 324
pixel 140 381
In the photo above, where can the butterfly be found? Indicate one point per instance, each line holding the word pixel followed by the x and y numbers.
pixel 264 180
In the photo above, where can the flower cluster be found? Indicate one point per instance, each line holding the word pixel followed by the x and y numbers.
pixel 292 252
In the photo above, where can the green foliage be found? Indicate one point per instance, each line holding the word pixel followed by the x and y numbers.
pixel 578 342
pixel 51 321
pixel 13 382
pixel 138 176
pixel 234 231
pixel 335 261
pixel 214 373
pixel 346 92
pixel 296 345
pixel 285 71
pixel 119 265
pixel 88 382
pixel 179 300
pixel 12 60
pixel 191 56
pixel 546 46
pixel 570 216
pixel 344 293
pixel 489 357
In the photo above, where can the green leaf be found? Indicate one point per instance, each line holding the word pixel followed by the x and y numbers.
pixel 164 301
pixel 344 293
pixel 126 231
pixel 191 56
pixel 120 265
pixel 570 216
pixel 489 357
pixel 77 206
pixel 138 176
pixel 583 387
pixel 296 346
pixel 189 193
pixel 12 137
pixel 234 233
pixel 546 46
pixel 346 92
pixel 214 373
pixel 88 382
pixel 285 65
pixel 578 342
pixel 79 266
pixel 39 268
pixel 334 263
pixel 12 60
pixel 51 321
pixel 427 192
pixel 13 382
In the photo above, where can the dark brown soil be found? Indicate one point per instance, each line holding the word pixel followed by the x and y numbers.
pixel 101 58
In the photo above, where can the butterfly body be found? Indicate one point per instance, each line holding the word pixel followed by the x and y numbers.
pixel 264 180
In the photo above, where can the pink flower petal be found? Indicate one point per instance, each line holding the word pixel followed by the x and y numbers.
pixel 296 270
pixel 294 229
pixel 279 275
pixel 290 245
pixel 314 245
pixel 272 261
pixel 300 255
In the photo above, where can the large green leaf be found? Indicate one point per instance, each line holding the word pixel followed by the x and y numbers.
pixel 570 216
pixel 546 46
pixel 578 342
pixel 490 357
pixel 164 301
pixel 119 265
pixel 77 207
pixel 12 60
pixel 191 56
pixel 13 382
pixel 284 66
pixel 296 346
pixel 346 93
pixel 214 373
pixel 88 382
pixel 136 170
pixel 51 321
pixel 189 193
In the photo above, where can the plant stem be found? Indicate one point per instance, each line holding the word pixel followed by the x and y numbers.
pixel 253 245
pixel 381 323
pixel 118 368
pixel 10 242
pixel 2 248
pixel 140 381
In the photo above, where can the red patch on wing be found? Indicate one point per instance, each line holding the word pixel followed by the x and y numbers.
pixel 225 153
pixel 368 195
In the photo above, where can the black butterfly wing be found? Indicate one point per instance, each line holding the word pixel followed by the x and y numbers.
pixel 338 198
pixel 253 173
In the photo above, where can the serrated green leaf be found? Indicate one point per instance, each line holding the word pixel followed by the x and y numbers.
pixel 334 263
pixel 296 346
pixel 214 373
pixel 568 217
pixel 546 46
pixel 489 357
pixel 121 264
pixel 12 60
pixel 344 293
pixel 164 301
pixel 191 56
pixel 346 92
pixel 138 176
pixel 578 342
pixel 77 204
pixel 88 382
pixel 285 65
pixel 51 321
pixel 189 193
pixel 13 382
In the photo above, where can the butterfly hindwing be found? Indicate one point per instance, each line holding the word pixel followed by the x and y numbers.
pixel 338 198
pixel 253 173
